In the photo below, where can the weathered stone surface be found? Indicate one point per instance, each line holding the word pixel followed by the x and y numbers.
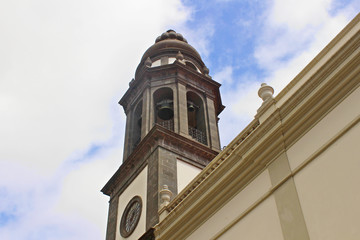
pixel 112 217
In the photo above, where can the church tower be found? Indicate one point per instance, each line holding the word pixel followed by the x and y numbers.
pixel 172 108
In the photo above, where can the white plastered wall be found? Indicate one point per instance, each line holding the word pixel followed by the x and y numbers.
pixel 185 174
pixel 328 186
pixel 324 130
pixel 136 188
pixel 329 191
pixel 236 207
pixel 261 223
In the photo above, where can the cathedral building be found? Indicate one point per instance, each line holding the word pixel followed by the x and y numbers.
pixel 292 173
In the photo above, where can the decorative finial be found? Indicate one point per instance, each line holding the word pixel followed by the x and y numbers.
pixel 172 35
pixel 265 92
pixel 131 82
pixel 206 71
pixel 165 195
pixel 179 56
pixel 148 62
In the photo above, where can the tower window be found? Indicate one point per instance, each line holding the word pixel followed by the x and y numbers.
pixel 164 108
pixel 137 124
pixel 189 64
pixel 196 118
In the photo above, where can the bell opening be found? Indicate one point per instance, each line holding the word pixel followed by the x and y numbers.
pixel 165 110
pixel 166 114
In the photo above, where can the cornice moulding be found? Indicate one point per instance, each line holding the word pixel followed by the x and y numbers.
pixel 180 73
pixel 153 140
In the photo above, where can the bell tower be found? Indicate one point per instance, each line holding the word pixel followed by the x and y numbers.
pixel 172 107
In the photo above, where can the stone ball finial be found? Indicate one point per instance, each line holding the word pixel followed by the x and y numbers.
pixel 165 35
pixel 165 195
pixel 148 62
pixel 158 39
pixel 265 92
pixel 179 56
pixel 131 82
pixel 179 36
pixel 206 70
pixel 172 34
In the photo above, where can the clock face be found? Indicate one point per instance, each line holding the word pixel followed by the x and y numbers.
pixel 130 217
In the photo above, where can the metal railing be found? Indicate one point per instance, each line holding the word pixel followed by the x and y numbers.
pixel 168 124
pixel 198 135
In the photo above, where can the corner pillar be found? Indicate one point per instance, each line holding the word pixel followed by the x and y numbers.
pixel 182 110
pixel 146 109
pixel 212 125
pixel 112 217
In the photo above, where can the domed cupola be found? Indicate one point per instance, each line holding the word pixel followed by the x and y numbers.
pixel 172 89
pixel 171 46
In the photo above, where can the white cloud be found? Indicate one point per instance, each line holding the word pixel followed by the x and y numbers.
pixel 298 15
pixel 293 33
pixel 67 63
pixel 239 94
pixel 200 33
pixel 224 76
pixel 63 67
pixel 300 43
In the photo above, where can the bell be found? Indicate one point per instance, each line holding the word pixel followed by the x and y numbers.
pixel 165 111
pixel 191 107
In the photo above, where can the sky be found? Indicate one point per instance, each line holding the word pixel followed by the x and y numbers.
pixel 64 65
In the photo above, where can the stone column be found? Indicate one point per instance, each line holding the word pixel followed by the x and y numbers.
pixel 212 125
pixel 146 108
pixel 112 217
pixel 127 141
pixel 182 109
pixel 174 88
pixel 151 120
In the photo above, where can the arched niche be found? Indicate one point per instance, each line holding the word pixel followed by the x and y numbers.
pixel 164 107
pixel 192 66
pixel 137 124
pixel 196 117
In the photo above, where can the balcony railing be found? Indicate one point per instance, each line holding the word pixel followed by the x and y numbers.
pixel 198 135
pixel 168 124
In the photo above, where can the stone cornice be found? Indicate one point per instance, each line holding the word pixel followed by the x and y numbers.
pixel 181 73
pixel 157 137
pixel 213 165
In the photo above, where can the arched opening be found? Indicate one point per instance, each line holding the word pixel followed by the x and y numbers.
pixel 164 108
pixel 137 123
pixel 191 65
pixel 196 117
